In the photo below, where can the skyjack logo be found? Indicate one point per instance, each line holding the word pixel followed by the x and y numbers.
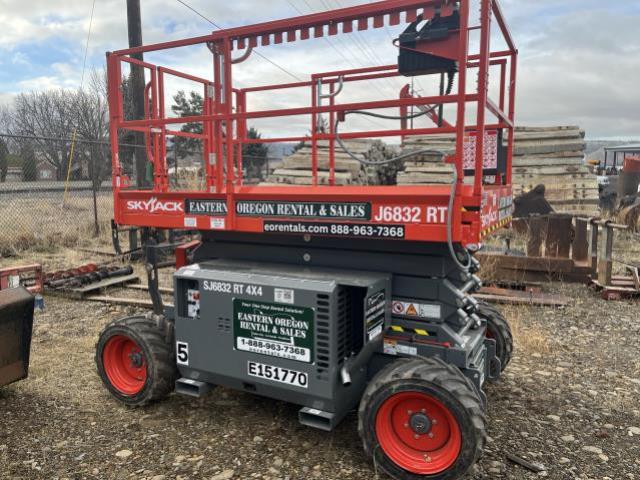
pixel 153 205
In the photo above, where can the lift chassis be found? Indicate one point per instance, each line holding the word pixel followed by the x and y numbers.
pixel 330 297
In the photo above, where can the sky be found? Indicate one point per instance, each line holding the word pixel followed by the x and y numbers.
pixel 579 59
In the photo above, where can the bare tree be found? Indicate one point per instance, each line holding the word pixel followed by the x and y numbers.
pixel 56 114
pixel 5 142
pixel 4 160
pixel 46 114
pixel 91 111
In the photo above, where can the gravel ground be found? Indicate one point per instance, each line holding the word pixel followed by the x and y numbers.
pixel 570 401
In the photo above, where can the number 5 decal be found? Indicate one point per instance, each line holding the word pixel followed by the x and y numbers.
pixel 182 353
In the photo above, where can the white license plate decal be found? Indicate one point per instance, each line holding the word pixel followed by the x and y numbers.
pixel 278 374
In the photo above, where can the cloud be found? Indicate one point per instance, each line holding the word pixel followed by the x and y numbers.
pixel 579 62
pixel 19 58
pixel 583 68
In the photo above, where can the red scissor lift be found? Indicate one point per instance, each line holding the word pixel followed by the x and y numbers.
pixel 388 226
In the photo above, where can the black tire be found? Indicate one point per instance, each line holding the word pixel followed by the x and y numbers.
pixel 498 329
pixel 154 366
pixel 429 378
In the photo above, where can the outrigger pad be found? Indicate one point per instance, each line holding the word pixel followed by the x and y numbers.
pixel 16 326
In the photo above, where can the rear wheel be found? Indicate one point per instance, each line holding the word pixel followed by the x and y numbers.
pixel 420 419
pixel 135 361
pixel 498 329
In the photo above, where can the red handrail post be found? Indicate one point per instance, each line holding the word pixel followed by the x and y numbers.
pixel 483 90
pixel 314 135
pixel 332 142
pixel 227 89
pixel 512 114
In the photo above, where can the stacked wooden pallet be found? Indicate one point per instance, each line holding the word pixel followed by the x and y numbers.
pixel 554 157
pixel 427 168
pixel 551 156
pixel 296 168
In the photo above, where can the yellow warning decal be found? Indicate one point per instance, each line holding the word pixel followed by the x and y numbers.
pixel 417 331
pixel 497 226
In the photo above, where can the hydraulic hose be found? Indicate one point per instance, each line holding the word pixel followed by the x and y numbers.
pixel 363 161
pixel 452 251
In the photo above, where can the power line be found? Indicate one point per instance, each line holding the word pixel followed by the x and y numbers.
pixel 362 45
pixel 292 75
pixel 324 38
pixel 200 15
pixel 258 53
pixel 75 130
pixel 386 29
pixel 86 46
pixel 342 55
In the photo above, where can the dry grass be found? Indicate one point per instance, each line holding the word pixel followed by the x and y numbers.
pixel 43 225
pixel 626 247
pixel 530 337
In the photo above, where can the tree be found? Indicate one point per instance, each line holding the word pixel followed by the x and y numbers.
pixel 46 114
pixel 254 156
pixel 4 160
pixel 29 162
pixel 91 111
pixel 186 107
pixel 51 117
pixel 5 122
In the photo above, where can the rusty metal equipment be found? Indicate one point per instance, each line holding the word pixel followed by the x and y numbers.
pixel 16 325
pixel 28 276
pixel 629 193
pixel 85 275
pixel 629 177
pixel 610 286
pixel 556 249
pixel 89 279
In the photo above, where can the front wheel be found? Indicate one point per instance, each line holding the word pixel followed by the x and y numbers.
pixel 498 329
pixel 421 419
pixel 135 361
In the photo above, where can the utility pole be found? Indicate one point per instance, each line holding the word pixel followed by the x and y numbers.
pixel 137 82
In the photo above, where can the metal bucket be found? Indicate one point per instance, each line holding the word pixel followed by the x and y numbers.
pixel 16 326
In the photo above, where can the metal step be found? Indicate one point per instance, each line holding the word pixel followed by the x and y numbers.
pixel 312 417
pixel 192 388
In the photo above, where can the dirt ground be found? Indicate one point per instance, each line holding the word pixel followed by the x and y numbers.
pixel 570 401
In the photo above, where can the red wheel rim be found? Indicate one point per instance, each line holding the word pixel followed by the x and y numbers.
pixel 124 364
pixel 428 453
pixel 489 334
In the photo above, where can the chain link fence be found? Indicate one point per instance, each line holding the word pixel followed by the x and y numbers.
pixel 47 202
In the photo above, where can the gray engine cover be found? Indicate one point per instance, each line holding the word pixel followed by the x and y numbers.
pixel 305 321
